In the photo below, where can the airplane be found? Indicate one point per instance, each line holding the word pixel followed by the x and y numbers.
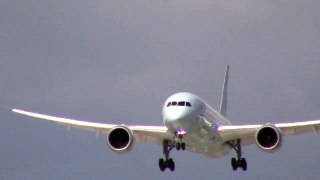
pixel 193 125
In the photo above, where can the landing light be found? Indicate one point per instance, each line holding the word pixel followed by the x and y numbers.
pixel 181 132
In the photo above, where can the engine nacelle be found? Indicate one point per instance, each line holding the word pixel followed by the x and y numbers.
pixel 269 138
pixel 120 139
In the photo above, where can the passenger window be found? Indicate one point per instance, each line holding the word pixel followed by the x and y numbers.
pixel 182 103
pixel 188 104
pixel 168 104
pixel 173 103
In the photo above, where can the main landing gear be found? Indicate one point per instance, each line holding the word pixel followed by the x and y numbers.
pixel 167 162
pixel 239 162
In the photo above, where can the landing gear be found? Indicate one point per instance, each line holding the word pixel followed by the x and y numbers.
pixel 242 163
pixel 167 162
pixel 163 164
pixel 168 145
pixel 180 145
pixel 239 162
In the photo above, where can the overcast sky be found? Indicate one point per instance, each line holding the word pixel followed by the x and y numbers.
pixel 117 61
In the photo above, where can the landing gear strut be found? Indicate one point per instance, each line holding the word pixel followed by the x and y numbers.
pixel 239 162
pixel 167 162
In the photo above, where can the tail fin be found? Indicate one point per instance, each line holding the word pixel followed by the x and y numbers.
pixel 223 105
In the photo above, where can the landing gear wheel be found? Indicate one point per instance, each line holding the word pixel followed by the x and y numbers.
pixel 162 165
pixel 234 164
pixel 243 164
pixel 170 164
pixel 178 146
pixel 183 146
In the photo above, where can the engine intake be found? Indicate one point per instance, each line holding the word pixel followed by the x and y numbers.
pixel 120 139
pixel 269 138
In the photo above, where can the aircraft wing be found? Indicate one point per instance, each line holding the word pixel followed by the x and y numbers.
pixel 247 132
pixel 150 134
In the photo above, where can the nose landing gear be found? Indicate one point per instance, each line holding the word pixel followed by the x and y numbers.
pixel 181 145
pixel 180 134
pixel 168 145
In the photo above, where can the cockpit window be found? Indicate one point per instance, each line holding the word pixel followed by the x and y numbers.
pixel 188 104
pixel 180 103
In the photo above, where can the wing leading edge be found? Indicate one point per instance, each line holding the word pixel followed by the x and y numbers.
pixel 150 134
pixel 156 134
pixel 247 132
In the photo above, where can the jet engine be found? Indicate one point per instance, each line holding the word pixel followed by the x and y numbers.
pixel 269 138
pixel 120 139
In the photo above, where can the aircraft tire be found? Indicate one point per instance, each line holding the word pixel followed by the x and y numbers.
pixel 243 164
pixel 171 164
pixel 178 146
pixel 183 146
pixel 234 164
pixel 162 165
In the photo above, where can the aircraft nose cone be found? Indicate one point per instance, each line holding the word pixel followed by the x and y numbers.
pixel 176 114
pixel 176 118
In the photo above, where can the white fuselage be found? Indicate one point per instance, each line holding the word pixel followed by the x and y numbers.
pixel 189 113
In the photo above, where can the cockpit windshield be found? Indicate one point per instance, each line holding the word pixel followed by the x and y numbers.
pixel 180 103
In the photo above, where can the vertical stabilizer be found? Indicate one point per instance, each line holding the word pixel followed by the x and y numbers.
pixel 224 97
